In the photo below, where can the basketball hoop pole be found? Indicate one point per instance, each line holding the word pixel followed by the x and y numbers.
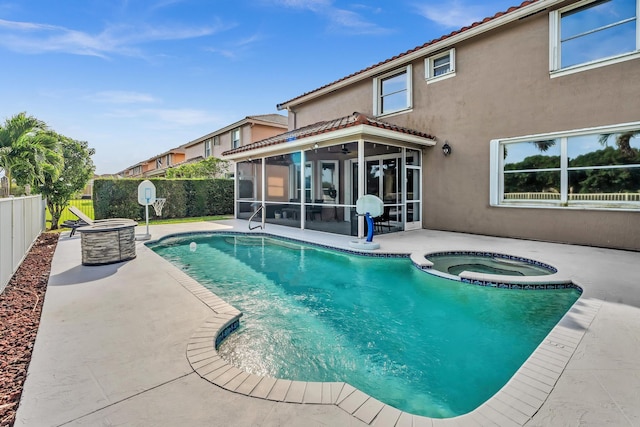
pixel 146 211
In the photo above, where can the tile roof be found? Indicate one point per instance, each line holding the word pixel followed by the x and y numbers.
pixel 429 43
pixel 325 127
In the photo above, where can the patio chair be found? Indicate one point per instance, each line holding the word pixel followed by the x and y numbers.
pixel 84 220
pixel 314 209
pixel 73 224
pixel 383 220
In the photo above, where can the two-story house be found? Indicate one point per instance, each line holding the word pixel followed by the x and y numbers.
pixel 243 132
pixel 155 166
pixel 238 134
pixel 524 125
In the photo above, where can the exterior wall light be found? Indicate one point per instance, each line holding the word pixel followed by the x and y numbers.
pixel 446 149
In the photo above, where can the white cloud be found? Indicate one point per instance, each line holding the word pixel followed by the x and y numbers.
pixel 340 20
pixel 236 49
pixel 454 14
pixel 353 22
pixel 29 37
pixel 122 97
pixel 159 118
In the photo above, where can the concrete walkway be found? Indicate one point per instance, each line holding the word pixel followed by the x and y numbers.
pixel 112 343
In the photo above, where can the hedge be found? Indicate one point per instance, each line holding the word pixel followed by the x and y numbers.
pixel 118 198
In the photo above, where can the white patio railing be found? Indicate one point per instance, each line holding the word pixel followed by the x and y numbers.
pixel 601 197
pixel 22 219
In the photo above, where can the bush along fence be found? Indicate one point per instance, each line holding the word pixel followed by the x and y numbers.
pixel 186 198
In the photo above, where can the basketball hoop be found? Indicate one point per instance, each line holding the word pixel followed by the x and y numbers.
pixel 158 205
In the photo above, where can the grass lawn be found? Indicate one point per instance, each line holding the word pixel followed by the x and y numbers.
pixel 86 206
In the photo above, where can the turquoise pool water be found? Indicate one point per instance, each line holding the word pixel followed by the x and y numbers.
pixel 423 344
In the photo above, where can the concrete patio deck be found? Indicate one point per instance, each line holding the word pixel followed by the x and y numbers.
pixel 112 348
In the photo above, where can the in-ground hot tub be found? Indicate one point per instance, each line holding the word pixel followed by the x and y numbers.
pixel 108 242
pixel 488 263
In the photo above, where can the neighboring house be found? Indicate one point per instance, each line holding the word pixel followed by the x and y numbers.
pixel 535 112
pixel 155 166
pixel 238 134
pixel 243 132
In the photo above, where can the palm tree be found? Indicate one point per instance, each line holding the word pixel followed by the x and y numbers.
pixel 623 141
pixel 28 150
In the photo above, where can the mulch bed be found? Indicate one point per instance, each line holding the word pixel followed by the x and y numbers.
pixel 20 309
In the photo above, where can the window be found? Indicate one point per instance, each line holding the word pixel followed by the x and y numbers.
pixel 207 148
pixel 159 163
pixel 597 168
pixel 440 66
pixel 235 138
pixel 594 33
pixel 392 92
pixel 216 140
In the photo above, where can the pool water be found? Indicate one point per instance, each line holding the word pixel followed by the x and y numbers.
pixel 423 344
pixel 487 263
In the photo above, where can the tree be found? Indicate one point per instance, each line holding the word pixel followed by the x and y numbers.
pixel 77 171
pixel 623 141
pixel 211 167
pixel 29 151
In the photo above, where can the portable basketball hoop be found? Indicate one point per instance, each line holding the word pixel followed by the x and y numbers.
pixel 146 197
pixel 158 205
pixel 370 207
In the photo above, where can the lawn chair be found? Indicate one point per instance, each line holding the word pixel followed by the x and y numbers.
pixel 84 220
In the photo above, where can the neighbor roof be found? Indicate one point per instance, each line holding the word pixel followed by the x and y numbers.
pixel 324 127
pixel 409 55
pixel 277 120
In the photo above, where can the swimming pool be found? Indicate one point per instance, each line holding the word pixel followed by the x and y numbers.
pixel 424 344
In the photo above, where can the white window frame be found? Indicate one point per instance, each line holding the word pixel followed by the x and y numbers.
pixel 555 53
pixel 496 168
pixel 377 91
pixel 429 71
pixel 216 140
pixel 207 148
pixel 235 143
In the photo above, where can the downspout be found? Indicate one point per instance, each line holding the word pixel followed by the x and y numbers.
pixel 290 111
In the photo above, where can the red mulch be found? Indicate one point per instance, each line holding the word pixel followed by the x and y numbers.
pixel 20 309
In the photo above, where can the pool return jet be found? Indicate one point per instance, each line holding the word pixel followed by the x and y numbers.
pixel 370 207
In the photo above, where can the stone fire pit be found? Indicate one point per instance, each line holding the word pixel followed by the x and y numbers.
pixel 108 242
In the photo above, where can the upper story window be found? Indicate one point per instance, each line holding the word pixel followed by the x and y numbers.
pixel 392 92
pixel 595 168
pixel 440 66
pixel 594 33
pixel 158 163
pixel 207 148
pixel 235 138
pixel 216 140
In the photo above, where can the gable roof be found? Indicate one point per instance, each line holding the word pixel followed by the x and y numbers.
pixel 514 13
pixel 275 120
pixel 323 128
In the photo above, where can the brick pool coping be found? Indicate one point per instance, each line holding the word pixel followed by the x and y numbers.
pixel 513 405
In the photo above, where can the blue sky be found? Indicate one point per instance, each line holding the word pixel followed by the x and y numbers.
pixel 135 78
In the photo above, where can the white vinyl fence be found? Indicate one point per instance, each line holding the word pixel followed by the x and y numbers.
pixel 22 219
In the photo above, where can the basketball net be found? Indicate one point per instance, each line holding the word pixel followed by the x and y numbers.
pixel 158 205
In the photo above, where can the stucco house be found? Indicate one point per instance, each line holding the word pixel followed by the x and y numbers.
pixel 524 125
pixel 155 166
pixel 243 132
pixel 238 134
